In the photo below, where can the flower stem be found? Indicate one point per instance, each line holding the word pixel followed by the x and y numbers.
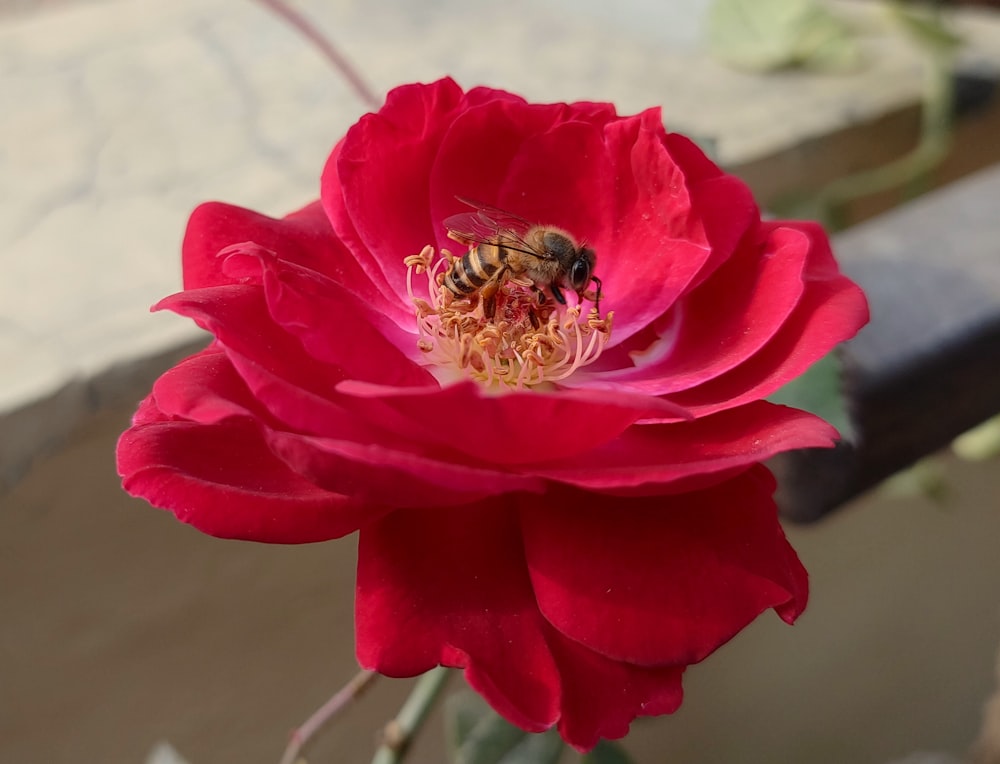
pixel 326 47
pixel 322 716
pixel 399 733
pixel 914 168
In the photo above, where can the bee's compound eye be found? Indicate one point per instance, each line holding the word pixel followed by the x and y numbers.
pixel 579 274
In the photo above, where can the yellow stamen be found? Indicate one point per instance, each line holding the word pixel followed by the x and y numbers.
pixel 523 345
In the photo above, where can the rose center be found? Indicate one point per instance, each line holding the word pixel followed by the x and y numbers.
pixel 525 342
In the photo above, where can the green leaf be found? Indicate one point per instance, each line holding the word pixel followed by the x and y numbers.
pixel 477 735
pixel 927 479
pixel 164 753
pixel 489 741
pixel 541 748
pixel 980 443
pixel 819 391
pixel 763 35
pixel 607 752
pixel 462 711
pixel 926 30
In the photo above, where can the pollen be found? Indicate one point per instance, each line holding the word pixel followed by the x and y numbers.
pixel 526 343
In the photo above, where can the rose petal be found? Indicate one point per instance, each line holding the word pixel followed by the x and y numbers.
pixel 504 429
pixel 396 306
pixel 309 352
pixel 601 697
pixel 238 317
pixel 464 167
pixel 449 586
pixel 729 217
pixel 656 459
pixel 294 386
pixel 664 580
pixel 382 169
pixel 832 309
pixel 563 178
pixel 687 154
pixel 331 322
pixel 656 244
pixel 205 388
pixel 758 289
pixel 304 237
pixel 217 384
pixel 223 480
pixel 299 409
pixel 401 477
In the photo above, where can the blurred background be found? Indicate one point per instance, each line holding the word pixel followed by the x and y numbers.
pixel 122 628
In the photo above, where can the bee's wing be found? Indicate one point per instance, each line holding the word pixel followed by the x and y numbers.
pixel 491 225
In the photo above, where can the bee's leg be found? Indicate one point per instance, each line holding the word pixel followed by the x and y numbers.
pixel 594 297
pixel 488 293
pixel 597 297
pixel 557 294
pixel 598 282
pixel 490 305
pixel 538 294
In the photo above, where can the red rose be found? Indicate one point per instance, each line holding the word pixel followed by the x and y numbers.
pixel 567 503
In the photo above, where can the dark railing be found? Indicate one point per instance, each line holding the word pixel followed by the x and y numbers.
pixel 927 368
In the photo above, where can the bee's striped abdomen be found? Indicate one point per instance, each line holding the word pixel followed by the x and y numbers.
pixel 473 269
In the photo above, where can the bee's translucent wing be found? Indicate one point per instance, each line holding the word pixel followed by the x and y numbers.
pixel 489 225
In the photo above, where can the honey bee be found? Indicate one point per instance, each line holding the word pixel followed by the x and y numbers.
pixel 504 245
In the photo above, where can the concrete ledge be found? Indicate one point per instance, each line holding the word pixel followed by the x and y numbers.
pixel 130 112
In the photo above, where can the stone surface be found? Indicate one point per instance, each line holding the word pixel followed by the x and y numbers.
pixel 119 116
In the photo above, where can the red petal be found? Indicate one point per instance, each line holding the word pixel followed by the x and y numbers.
pixel 304 237
pixel 514 428
pixel 241 319
pixel 223 480
pixel 654 244
pixel 562 177
pixel 728 215
pixel 832 309
pixel 759 290
pixel 665 580
pixel 697 166
pixel 652 459
pixel 396 305
pixel 300 409
pixel 464 168
pixel 207 388
pixel 376 189
pixel 294 386
pixel 238 317
pixel 332 323
pixel 449 586
pixel 397 474
pixel 204 388
pixel 601 697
